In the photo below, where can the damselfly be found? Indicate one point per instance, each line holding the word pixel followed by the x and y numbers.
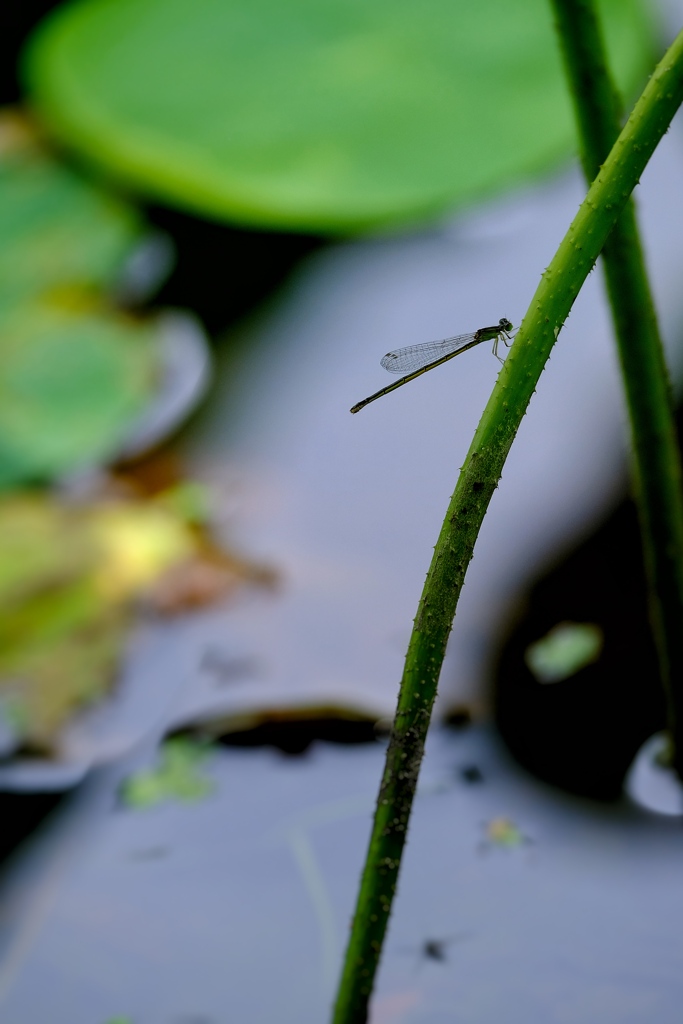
pixel 417 359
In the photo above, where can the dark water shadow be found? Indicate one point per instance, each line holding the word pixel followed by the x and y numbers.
pixel 223 272
pixel 582 733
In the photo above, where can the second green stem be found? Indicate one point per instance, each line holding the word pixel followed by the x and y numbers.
pixel 657 468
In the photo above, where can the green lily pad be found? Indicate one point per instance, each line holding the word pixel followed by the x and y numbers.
pixel 73 371
pixel 71 381
pixel 55 227
pixel 333 117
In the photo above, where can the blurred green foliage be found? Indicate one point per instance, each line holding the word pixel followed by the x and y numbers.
pixel 74 371
pixel 55 227
pixel 71 382
pixel 330 117
pixel 68 577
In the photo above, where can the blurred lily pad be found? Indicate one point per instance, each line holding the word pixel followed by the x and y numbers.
pixel 68 575
pixel 71 382
pixel 55 227
pixel 72 575
pixel 331 117
pixel 74 371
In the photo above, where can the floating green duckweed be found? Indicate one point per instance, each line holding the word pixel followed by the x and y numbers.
pixel 566 649
pixel 179 775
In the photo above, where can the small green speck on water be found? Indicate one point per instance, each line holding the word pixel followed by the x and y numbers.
pixel 504 833
pixel 562 652
pixel 179 775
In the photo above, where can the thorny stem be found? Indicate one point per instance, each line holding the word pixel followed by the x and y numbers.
pixel 550 306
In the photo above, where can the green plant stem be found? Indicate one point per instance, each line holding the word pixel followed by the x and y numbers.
pixel 550 306
pixel 657 468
